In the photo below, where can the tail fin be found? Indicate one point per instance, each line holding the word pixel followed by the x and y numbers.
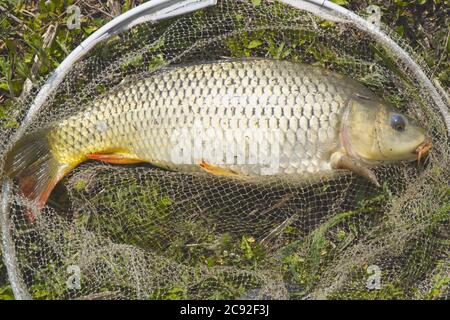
pixel 37 171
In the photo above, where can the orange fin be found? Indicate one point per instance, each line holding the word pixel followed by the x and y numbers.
pixel 216 170
pixel 32 189
pixel 32 164
pixel 115 158
pixel 340 160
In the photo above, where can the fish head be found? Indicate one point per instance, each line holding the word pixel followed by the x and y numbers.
pixel 374 131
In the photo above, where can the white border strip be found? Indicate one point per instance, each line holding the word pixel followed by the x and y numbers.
pixel 156 10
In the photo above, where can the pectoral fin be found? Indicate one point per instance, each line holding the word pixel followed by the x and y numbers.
pixel 340 160
pixel 217 170
pixel 115 158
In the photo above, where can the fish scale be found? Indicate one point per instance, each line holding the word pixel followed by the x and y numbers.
pixel 171 111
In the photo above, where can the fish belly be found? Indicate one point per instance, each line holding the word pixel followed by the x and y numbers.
pixel 254 117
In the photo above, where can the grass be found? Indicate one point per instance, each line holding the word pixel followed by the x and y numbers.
pixel 306 258
pixel 25 55
pixel 154 225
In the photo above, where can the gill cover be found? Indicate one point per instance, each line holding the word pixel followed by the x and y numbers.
pixel 373 131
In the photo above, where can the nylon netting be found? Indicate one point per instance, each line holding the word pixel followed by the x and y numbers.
pixel 142 232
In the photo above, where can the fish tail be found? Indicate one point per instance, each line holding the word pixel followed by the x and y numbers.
pixel 37 171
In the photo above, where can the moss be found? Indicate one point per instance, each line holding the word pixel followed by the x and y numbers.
pixel 5 288
pixel 49 290
pixel 6 293
pixel 132 214
pixel 440 283
pixel 174 293
pixel 80 185
pixel 357 290
pixel 218 287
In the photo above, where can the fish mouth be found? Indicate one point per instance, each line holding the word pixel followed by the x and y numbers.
pixel 423 148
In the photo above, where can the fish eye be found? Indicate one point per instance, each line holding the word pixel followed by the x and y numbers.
pixel 398 123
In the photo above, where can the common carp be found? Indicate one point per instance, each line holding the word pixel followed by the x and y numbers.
pixel 248 117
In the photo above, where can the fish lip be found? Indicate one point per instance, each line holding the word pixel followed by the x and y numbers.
pixel 423 148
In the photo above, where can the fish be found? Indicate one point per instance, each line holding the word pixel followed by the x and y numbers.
pixel 235 118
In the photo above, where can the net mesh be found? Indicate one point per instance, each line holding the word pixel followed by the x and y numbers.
pixel 138 232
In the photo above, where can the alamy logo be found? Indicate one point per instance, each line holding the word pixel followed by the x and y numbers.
pixel 74 13
pixel 227 147
pixel 374 15
pixel 374 280
pixel 74 280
